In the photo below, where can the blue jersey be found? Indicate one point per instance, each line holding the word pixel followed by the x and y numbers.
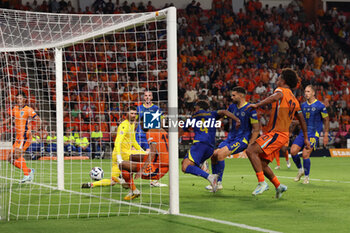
pixel 141 109
pixel 206 133
pixel 246 117
pixel 140 135
pixel 314 114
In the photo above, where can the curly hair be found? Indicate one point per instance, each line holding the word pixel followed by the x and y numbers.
pixel 290 77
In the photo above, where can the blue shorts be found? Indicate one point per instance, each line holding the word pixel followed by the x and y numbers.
pixel 199 152
pixel 313 139
pixel 235 146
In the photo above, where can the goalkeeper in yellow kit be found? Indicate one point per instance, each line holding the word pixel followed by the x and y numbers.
pixel 123 148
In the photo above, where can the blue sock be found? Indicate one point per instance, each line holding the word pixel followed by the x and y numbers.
pixel 297 161
pixel 194 170
pixel 307 165
pixel 214 168
pixel 220 168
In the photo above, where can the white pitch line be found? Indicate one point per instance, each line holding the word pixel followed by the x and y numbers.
pixel 285 177
pixel 153 209
pixel 229 223
pixel 332 181
pixel 91 195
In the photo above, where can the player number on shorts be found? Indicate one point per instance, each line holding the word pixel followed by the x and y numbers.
pixel 203 129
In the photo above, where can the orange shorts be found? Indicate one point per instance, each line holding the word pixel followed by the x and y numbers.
pixel 22 143
pixel 271 143
pixel 153 171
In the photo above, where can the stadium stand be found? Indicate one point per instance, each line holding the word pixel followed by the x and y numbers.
pixel 218 50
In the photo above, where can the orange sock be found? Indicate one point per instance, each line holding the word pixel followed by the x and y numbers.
pixel 21 164
pixel 128 179
pixel 260 176
pixel 275 182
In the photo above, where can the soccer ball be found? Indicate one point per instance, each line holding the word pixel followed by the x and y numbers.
pixel 96 173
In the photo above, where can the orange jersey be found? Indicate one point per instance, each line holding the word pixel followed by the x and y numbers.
pixel 283 111
pixel 160 137
pixel 22 119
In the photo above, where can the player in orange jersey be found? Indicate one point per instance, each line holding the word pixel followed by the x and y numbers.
pixel 284 107
pixel 23 116
pixel 152 166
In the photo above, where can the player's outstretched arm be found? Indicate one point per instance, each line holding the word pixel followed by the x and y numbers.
pixel 230 115
pixel 271 99
pixel 326 130
pixel 302 122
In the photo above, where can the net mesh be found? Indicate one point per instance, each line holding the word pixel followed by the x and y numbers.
pixel 109 61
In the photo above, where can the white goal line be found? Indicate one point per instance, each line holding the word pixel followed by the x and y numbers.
pixel 149 208
pixel 228 223
pixel 91 195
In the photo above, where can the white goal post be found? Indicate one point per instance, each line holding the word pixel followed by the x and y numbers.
pixel 28 38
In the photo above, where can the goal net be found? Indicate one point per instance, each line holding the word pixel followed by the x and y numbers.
pixel 78 76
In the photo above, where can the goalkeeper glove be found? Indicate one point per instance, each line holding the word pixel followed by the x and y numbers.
pixel 119 159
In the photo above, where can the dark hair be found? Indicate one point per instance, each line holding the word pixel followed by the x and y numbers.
pixel 290 77
pixel 203 97
pixel 203 104
pixel 240 90
pixel 132 107
pixel 22 94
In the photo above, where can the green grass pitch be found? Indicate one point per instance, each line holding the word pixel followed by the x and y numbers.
pixel 321 206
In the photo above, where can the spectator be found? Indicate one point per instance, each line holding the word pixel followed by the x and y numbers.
pixel 69 142
pixel 83 145
pixel 333 125
pixel 109 9
pixel 261 89
pixel 190 97
pixel 51 142
pixel 97 143
pixel 340 140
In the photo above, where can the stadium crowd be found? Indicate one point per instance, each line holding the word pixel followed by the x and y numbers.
pixel 217 50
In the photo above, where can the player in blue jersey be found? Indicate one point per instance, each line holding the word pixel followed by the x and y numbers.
pixel 317 120
pixel 204 140
pixel 238 139
pixel 147 106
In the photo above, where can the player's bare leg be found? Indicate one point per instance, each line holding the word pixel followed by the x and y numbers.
pixel 294 150
pixel 190 167
pixel 142 158
pixel 253 152
pixel 277 157
pixel 138 157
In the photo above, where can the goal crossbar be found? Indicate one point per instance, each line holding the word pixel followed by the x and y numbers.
pixel 103 25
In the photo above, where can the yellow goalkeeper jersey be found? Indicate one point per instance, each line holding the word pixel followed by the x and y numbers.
pixel 125 139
